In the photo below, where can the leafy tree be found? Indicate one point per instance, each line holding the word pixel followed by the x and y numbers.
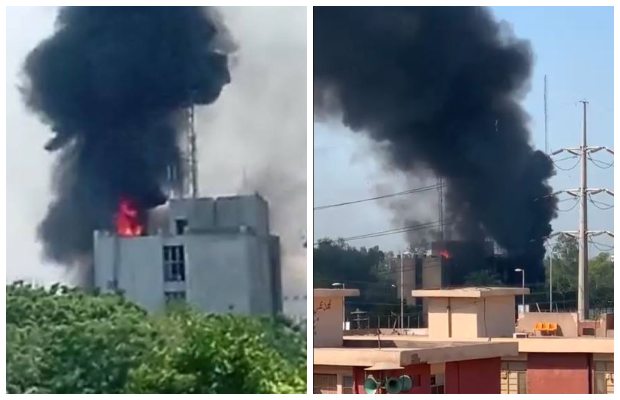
pixel 601 273
pixel 483 278
pixel 565 274
pixel 62 340
pixel 364 268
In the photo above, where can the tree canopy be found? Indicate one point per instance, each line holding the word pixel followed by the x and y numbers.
pixel 62 340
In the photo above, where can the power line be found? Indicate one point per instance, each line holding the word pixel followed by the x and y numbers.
pixel 571 207
pixel 606 206
pixel 599 162
pixel 404 229
pixel 566 169
pixel 409 191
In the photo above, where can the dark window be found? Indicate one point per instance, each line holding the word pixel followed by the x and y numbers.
pixel 181 225
pixel 437 384
pixel 603 377
pixel 347 384
pixel 174 264
pixel 325 384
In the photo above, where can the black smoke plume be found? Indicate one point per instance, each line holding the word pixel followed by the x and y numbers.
pixel 113 83
pixel 440 87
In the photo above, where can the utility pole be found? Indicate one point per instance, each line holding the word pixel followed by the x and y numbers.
pixel 402 286
pixel 583 298
pixel 441 223
pixel 583 151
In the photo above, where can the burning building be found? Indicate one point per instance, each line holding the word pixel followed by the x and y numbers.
pixel 216 254
pixel 438 89
pixel 115 85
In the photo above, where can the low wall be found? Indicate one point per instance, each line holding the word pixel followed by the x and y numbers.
pixel 567 322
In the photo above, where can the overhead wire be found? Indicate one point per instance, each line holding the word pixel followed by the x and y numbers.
pixel 606 206
pixel 599 162
pixel 385 196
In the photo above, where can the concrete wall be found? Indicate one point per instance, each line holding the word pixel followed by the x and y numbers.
pixel 452 317
pixel 473 376
pixel 464 312
pixel 496 316
pixel 328 321
pixel 199 213
pixel 250 211
pixel 438 326
pixel 470 317
pixel 409 265
pixel 420 373
pixel 218 273
pixel 225 272
pixel 138 262
pixel 562 373
pixel 567 322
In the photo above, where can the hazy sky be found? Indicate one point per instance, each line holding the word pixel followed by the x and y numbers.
pixel 573 46
pixel 252 138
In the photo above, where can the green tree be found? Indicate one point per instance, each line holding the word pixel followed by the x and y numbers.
pixel 565 274
pixel 601 273
pixel 483 278
pixel 63 340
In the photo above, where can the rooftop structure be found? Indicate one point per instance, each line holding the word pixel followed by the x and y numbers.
pixel 216 254
pixel 484 352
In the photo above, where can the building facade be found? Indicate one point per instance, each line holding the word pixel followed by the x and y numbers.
pixel 459 352
pixel 344 364
pixel 216 254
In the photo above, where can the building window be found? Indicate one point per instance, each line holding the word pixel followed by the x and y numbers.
pixel 437 383
pixel 174 296
pixel 174 264
pixel 603 377
pixel 325 384
pixel 181 225
pixel 513 377
pixel 347 384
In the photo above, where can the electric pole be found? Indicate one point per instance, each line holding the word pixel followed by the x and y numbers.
pixel 583 298
pixel 583 151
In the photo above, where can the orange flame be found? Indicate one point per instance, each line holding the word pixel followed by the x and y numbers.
pixel 128 219
pixel 444 254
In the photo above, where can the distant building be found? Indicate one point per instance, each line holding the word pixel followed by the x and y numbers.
pixel 216 254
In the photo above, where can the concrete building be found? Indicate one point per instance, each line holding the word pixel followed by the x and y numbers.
pixel 342 364
pixel 458 349
pixel 217 254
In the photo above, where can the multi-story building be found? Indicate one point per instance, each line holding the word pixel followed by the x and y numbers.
pixel 217 254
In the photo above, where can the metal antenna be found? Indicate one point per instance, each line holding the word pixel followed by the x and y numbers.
pixel 192 160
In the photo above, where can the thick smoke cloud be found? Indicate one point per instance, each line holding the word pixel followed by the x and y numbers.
pixel 440 87
pixel 113 84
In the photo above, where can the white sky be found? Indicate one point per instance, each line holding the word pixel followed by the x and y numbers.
pixel 258 126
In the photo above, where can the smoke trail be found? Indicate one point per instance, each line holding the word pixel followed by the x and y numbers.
pixel 112 83
pixel 440 86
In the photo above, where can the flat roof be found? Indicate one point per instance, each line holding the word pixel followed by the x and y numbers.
pixel 475 292
pixel 545 344
pixel 439 351
pixel 336 292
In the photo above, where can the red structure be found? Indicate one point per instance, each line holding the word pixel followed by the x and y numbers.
pixel 558 373
pixel 473 376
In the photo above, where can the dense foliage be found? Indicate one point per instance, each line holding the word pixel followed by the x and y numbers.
pixel 335 261
pixel 365 269
pixel 62 340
